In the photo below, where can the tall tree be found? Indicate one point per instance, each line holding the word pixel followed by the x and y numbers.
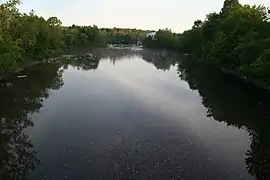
pixel 229 5
pixel 54 22
pixel 197 23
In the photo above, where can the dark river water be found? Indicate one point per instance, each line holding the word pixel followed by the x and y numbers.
pixel 132 114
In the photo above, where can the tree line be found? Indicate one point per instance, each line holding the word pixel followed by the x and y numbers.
pixel 27 36
pixel 162 39
pixel 124 35
pixel 237 39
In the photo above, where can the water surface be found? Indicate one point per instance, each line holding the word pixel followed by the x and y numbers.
pixel 132 114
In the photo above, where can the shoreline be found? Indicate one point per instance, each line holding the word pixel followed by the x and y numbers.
pixel 24 66
pixel 19 69
pixel 245 79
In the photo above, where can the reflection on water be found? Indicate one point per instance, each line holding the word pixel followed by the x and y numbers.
pixel 237 104
pixel 19 99
pixel 162 60
pixel 114 116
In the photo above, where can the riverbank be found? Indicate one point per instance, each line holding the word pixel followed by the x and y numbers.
pixel 31 63
pixel 19 69
pixel 246 79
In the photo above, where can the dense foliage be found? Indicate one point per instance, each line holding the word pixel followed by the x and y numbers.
pixel 162 39
pixel 124 36
pixel 30 37
pixel 83 35
pixel 237 38
pixel 24 36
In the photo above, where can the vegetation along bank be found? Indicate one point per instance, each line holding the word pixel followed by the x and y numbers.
pixel 236 39
pixel 27 37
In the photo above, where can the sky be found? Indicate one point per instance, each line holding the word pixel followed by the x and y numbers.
pixel 177 15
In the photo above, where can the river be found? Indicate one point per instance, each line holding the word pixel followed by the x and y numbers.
pixel 132 114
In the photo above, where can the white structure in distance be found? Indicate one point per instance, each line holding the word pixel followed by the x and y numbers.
pixel 152 35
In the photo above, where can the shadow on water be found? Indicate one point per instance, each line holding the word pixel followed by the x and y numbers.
pixel 232 101
pixel 19 99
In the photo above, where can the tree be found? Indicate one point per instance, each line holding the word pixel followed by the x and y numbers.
pixel 28 36
pixel 197 23
pixel 163 39
pixel 54 22
pixel 236 38
pixel 229 5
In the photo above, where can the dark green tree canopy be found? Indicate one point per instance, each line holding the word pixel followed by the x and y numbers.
pixel 229 5
pixel 54 22
pixel 197 23
pixel 237 38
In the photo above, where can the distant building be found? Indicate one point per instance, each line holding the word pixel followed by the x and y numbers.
pixel 152 34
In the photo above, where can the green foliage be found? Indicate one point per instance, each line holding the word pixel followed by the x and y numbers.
pixel 237 38
pixel 84 35
pixel 233 39
pixel 229 5
pixel 197 23
pixel 9 52
pixel 162 39
pixel 261 66
pixel 24 36
pixel 124 36
pixel 28 36
pixel 54 22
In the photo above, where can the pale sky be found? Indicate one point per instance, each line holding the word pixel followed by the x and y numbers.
pixel 177 15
